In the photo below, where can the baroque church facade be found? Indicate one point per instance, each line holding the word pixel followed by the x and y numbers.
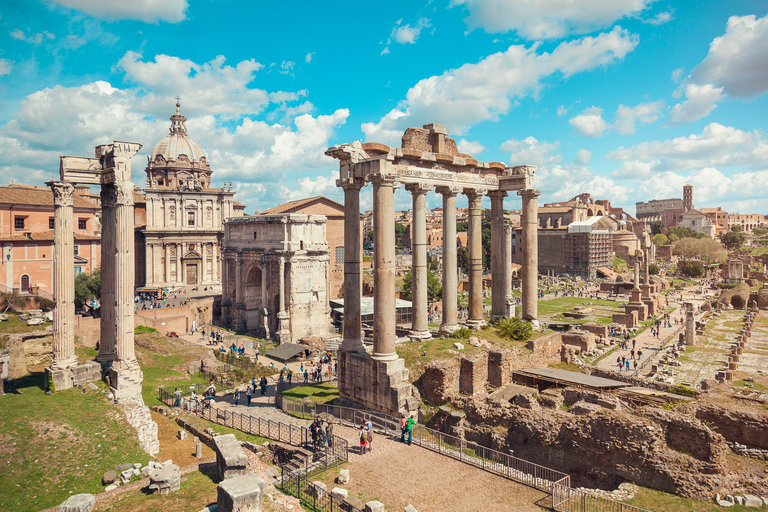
pixel 180 244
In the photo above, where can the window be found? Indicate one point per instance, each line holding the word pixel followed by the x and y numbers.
pixel 18 222
pixel 77 249
pixel 190 218
pixel 340 255
pixel 82 224
pixel 51 223
pixel 78 270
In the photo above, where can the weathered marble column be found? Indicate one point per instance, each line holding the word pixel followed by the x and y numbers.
pixel 498 238
pixel 179 273
pixel 450 286
pixel 107 300
pixel 419 299
pixel 283 329
pixel 637 275
pixel 63 277
pixel 530 224
pixel 509 298
pixel 353 338
pixel 690 324
pixel 475 235
pixel 384 311
pixel 125 355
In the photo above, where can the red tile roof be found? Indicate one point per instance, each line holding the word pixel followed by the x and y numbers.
pixel 292 206
pixel 37 196
pixel 42 235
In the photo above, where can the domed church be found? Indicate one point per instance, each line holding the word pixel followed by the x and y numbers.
pixel 180 245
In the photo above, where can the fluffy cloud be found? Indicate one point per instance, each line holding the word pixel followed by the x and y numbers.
pixel 149 11
pixel 737 60
pixel 531 151
pixel 583 156
pixel 5 67
pixel 700 101
pixel 628 117
pixel 33 39
pixel 462 97
pixel 323 185
pixel 716 146
pixel 562 182
pixel 470 147
pixel 742 191
pixel 590 122
pixel 547 19
pixel 405 34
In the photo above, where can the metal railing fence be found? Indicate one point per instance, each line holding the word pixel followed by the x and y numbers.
pixel 311 496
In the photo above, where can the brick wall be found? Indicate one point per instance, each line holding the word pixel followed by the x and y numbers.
pixel 473 374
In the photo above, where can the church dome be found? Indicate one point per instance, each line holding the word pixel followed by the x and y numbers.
pixel 177 142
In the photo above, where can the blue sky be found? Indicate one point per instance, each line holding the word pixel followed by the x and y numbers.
pixel 625 99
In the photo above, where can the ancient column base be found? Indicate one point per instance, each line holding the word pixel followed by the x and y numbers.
pixel 59 380
pixel 378 385
pixel 420 335
pixel 533 321
pixel 448 329
pixel 106 358
pixel 125 382
pixel 283 334
pixel 476 324
pixel 509 309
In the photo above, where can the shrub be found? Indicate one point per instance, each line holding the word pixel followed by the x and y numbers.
pixel 514 328
pixel 46 303
pixel 463 333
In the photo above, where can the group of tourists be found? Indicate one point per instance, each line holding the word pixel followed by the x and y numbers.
pixel 321 436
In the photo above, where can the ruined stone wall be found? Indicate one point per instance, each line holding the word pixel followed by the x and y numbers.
pixel 737 425
pixel 500 367
pixel 600 331
pixel 178 318
pixel 582 339
pixel 473 374
pixel 440 381
pixel 544 350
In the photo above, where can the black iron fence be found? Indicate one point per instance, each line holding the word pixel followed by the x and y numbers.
pixel 313 497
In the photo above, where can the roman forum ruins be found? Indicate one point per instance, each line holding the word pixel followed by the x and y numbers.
pixel 111 168
pixel 427 160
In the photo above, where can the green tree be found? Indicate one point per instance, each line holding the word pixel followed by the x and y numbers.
pixel 657 227
pixel 660 239
pixel 653 269
pixel 434 289
pixel 462 226
pixel 462 258
pixel 691 268
pixel 737 228
pixel 733 239
pixel 682 232
pixel 87 287
pixel 399 230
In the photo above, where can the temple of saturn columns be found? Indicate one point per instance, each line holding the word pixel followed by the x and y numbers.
pixel 427 160
pixel 111 168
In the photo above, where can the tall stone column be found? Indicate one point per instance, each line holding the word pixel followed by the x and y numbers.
pixel 167 263
pixel 690 324
pixel 238 307
pixel 497 254
pixel 179 273
pixel 283 329
pixel 353 338
pixel 107 300
pixel 63 277
pixel 125 355
pixel 530 222
pixel 384 311
pixel 509 299
pixel 475 319
pixel 450 286
pixel 420 315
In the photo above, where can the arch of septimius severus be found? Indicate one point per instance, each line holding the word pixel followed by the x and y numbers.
pixel 427 160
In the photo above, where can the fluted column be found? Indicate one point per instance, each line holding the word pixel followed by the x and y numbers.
pixel 497 254
pixel 125 354
pixel 419 314
pixel 283 328
pixel 530 222
pixel 108 305
pixel 179 273
pixel 384 311
pixel 450 286
pixel 63 277
pixel 475 236
pixel 509 299
pixel 353 339
pixel 238 308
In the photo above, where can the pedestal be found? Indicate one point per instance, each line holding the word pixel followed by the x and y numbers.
pixel 378 385
pixel 125 382
pixel 283 333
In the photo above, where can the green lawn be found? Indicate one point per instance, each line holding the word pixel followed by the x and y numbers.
pixel 658 501
pixel 13 325
pixel 320 393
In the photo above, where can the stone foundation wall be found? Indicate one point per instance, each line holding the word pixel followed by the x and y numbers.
pixel 473 374
pixel 544 350
pixel 378 385
pixel 178 318
pixel 743 426
pixel 582 339
pixel 26 348
pixel 629 319
pixel 499 367
pixel 601 331
pixel 440 381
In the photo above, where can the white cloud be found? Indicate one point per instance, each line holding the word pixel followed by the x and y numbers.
pixel 33 39
pixel 482 91
pixel 677 75
pixel 561 111
pixel 590 122
pixel 287 66
pixel 308 58
pixel 470 147
pixel 311 187
pixel 701 100
pixel 660 18
pixel 628 117
pixel 547 19
pixel 562 182
pixel 149 11
pixel 717 146
pixel 6 66
pixel 405 34
pixel 737 60
pixel 531 151
pixel 739 191
pixel 583 156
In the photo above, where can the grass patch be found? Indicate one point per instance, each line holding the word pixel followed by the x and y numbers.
pixel 141 329
pixel 755 385
pixel 662 501
pixel 221 429
pixel 13 325
pixel 319 393
pixel 63 443
pixel 562 365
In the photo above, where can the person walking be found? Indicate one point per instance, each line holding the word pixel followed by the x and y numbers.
pixel 177 394
pixel 363 440
pixel 248 393
pixel 237 396
pixel 403 423
pixel 330 433
pixel 369 436
pixel 409 426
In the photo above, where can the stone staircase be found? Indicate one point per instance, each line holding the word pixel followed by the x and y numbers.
pixel 292 458
pixel 333 345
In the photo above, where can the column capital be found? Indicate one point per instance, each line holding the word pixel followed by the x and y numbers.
pixel 497 194
pixel 448 190
pixel 385 180
pixel 529 192
pixel 63 193
pixel 475 192
pixel 418 188
pixel 350 183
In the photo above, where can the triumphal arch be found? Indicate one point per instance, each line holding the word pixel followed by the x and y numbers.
pixel 428 160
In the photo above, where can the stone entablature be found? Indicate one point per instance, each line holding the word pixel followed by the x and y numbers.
pixel 276 276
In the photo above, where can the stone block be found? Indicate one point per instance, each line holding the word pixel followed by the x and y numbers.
pixel 112 487
pixel 338 492
pixel 165 480
pixel 78 503
pixel 126 475
pixel 410 508
pixel 60 379
pixel 182 434
pixel 230 456
pixel 86 372
pixel 374 506
pixel 499 368
pixel 122 467
pixel 458 346
pixel 583 408
pixel 318 489
pixel 3 317
pixel 750 500
pixel 343 477
pixel 109 477
pixel 36 320
pixel 352 503
pixel 578 338
pixel 473 374
pixel 440 381
pixel 241 493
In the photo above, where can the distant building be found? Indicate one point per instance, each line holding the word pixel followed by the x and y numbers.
pixel 748 222
pixel 698 222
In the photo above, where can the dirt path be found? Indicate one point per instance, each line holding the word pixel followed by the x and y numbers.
pixel 397 475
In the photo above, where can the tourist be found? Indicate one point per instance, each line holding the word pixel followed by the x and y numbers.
pixel 306 376
pixel 248 393
pixel 237 396
pixel 409 426
pixel 290 376
pixel 330 433
pixel 177 402
pixel 632 353
pixel 363 439
pixel 627 364
pixel 621 365
pixel 369 438
pixel 639 354
pixel 263 384
pixel 635 364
